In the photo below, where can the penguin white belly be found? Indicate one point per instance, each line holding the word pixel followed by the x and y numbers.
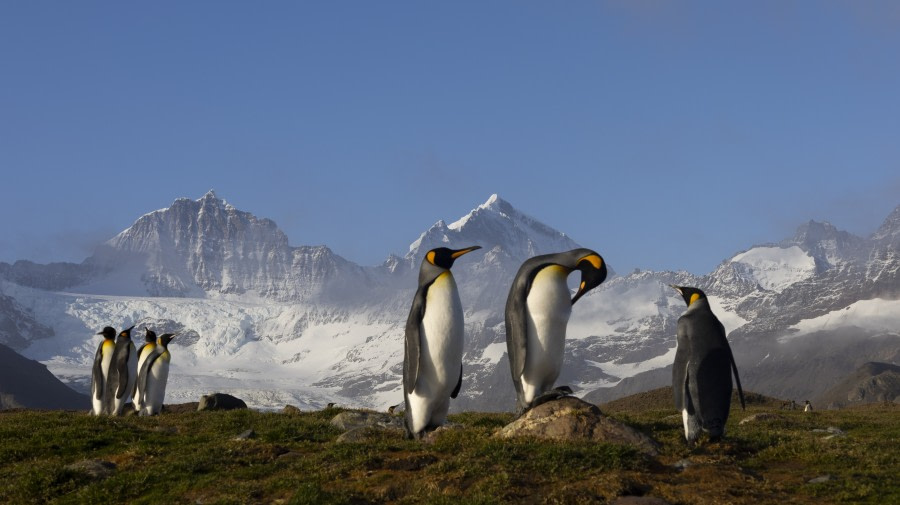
pixel 548 308
pixel 157 377
pixel 440 358
pixel 139 388
pixel 107 348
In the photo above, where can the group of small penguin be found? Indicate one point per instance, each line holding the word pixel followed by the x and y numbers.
pixel 122 372
pixel 537 313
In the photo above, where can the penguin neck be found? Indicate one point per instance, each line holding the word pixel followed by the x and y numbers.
pixel 699 305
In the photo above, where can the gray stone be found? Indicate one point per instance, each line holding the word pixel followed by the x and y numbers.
pixel 290 410
pixel 682 464
pixel 821 479
pixel 352 419
pixel 95 468
pixel 572 419
pixel 220 401
pixel 762 416
pixel 247 435
pixel 367 433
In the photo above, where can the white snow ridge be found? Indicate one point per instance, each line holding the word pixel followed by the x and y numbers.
pixel 776 268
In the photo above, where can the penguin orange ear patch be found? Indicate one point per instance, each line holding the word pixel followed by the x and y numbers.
pixel 593 259
pixel 694 298
pixel 430 257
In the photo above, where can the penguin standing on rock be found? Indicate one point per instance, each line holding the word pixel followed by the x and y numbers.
pixel 100 372
pixel 701 374
pixel 146 349
pixel 152 379
pixel 537 313
pixel 122 373
pixel 432 365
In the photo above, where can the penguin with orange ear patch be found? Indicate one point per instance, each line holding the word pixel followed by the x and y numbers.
pixel 701 374
pixel 432 365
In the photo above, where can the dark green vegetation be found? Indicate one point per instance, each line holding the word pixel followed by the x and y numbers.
pixel 193 458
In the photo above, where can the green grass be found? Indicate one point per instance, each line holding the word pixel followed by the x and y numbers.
pixel 193 458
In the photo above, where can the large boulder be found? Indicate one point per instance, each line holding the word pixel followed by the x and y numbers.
pixel 571 419
pixel 220 401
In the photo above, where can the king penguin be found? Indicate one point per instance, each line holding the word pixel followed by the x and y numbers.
pixel 537 313
pixel 701 374
pixel 432 365
pixel 122 373
pixel 144 351
pixel 152 378
pixel 100 372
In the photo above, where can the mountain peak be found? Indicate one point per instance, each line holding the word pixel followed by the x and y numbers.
pixel 890 228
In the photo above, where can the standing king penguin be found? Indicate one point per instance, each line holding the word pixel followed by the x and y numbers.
pixel 100 373
pixel 701 374
pixel 144 351
pixel 152 378
pixel 432 365
pixel 122 373
pixel 537 313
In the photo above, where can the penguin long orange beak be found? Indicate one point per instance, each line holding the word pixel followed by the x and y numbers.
pixel 460 252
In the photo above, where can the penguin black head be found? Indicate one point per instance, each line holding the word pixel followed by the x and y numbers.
pixel 443 257
pixel 689 294
pixel 165 338
pixel 150 336
pixel 126 333
pixel 593 272
pixel 108 333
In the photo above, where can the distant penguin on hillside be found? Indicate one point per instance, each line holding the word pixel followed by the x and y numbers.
pixel 122 373
pixel 432 366
pixel 537 313
pixel 144 351
pixel 153 377
pixel 701 374
pixel 100 372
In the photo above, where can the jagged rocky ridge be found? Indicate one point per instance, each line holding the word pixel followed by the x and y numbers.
pixel 284 324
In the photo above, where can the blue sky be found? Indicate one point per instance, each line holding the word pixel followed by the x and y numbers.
pixel 664 136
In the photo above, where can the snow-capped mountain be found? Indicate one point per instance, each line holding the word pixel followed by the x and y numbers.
pixel 277 324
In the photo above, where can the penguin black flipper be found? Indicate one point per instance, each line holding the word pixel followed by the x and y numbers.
pixel 122 366
pixel 458 384
pixel 413 340
pixel 679 368
pixel 737 379
pixel 97 375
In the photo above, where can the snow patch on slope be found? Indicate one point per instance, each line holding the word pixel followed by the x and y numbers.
pixel 776 268
pixel 877 314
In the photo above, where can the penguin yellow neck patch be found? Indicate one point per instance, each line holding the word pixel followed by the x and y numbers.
pixel 694 298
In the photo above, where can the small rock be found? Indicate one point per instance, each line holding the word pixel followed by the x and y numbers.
pixel 290 455
pixel 821 479
pixel 352 419
pixel 291 410
pixel 366 433
pixel 220 401
pixel 572 419
pixel 682 464
pixel 835 431
pixel 762 416
pixel 639 500
pixel 436 433
pixel 95 468
pixel 247 435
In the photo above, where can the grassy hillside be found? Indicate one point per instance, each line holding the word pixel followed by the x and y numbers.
pixel 193 457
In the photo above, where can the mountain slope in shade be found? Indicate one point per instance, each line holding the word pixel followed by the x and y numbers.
pixel 28 384
pixel 871 383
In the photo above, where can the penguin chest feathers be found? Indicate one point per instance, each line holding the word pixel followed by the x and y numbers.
pixel 442 330
pixel 549 307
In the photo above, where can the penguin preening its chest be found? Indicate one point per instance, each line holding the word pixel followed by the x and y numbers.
pixel 152 378
pixel 146 349
pixel 701 374
pixel 122 373
pixel 537 313
pixel 100 372
pixel 432 365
